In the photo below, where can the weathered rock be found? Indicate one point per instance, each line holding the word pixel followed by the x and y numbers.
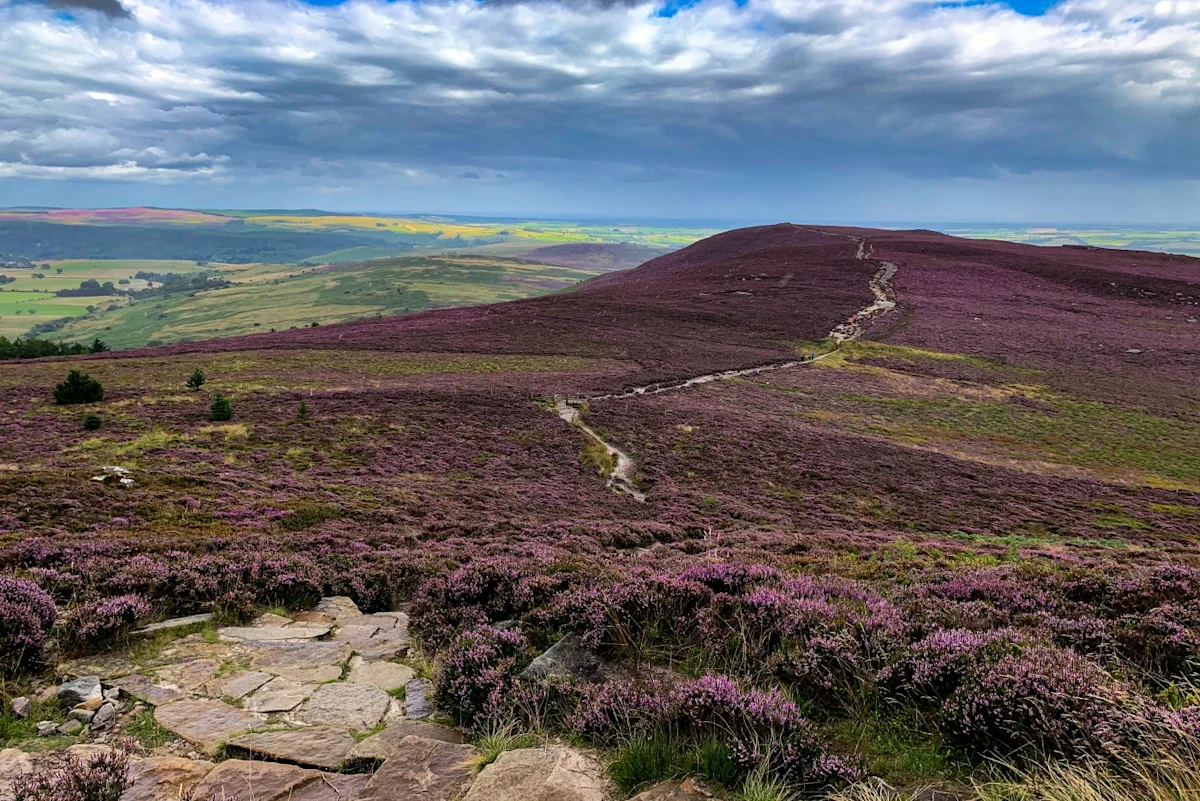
pixel 79 691
pixel 112 693
pixel 421 770
pixel 383 621
pixel 92 704
pixel 351 633
pixel 271 620
pixel 417 705
pixel 339 606
pixel 164 778
pixel 332 787
pixel 70 728
pixel 566 659
pixel 106 667
pixel 194 646
pixel 299 661
pixel 312 617
pixel 82 715
pixel 20 707
pixel 355 706
pixel 323 747
pixel 688 789
pixel 542 774
pixel 14 763
pixel 206 723
pixel 376 648
pixel 384 675
pixel 105 715
pixel 240 684
pixel 175 623
pixel 188 675
pixel 142 688
pixel 46 728
pixel 279 695
pixel 378 747
pixel 260 781
pixel 296 631
pixel 86 752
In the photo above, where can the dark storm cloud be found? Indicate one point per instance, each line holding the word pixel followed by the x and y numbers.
pixel 111 8
pixel 429 92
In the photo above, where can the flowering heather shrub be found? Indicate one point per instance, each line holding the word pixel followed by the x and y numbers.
pixel 1046 699
pixel 763 729
pixel 104 620
pixel 102 777
pixel 26 615
pixel 1164 640
pixel 934 668
pixel 475 675
pixel 1148 589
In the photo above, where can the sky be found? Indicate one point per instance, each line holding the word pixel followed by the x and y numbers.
pixel 1033 111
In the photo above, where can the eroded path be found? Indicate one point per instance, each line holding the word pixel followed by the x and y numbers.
pixel 623 474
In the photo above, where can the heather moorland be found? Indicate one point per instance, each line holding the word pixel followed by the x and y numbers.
pixel 837 512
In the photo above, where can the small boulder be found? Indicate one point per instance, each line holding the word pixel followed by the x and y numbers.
pixel 688 789
pixel 47 728
pixel 338 606
pixel 555 773
pixel 417 705
pixel 20 707
pixel 70 728
pixel 79 691
pixel 82 715
pixel 566 659
pixel 104 716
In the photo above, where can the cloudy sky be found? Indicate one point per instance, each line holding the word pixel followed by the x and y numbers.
pixel 822 110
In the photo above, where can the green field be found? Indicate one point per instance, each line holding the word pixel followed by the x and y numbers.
pixel 1166 240
pixel 267 297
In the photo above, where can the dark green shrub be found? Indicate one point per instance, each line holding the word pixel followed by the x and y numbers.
pixel 302 412
pixel 221 408
pixel 78 388
pixel 98 346
pixel 196 379
pixel 92 422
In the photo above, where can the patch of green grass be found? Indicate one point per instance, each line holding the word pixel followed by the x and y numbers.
pixel 495 742
pixel 147 732
pixel 15 732
pixel 644 761
pixel 307 514
pixel 760 786
pixel 140 650
pixel 896 749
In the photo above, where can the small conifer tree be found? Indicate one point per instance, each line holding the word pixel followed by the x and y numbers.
pixel 221 408
pixel 98 345
pixel 302 412
pixel 196 379
pixel 78 388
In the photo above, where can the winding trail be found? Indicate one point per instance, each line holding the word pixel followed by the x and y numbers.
pixel 622 476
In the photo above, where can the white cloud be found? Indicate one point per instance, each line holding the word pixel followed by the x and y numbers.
pixel 435 87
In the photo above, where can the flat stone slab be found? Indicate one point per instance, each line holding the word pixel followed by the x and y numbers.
pixel 14 763
pixel 238 685
pixel 193 646
pixel 141 688
pixel 188 675
pixel 206 723
pixel 332 787
pixel 271 620
pixel 384 675
pixel 379 747
pixel 105 667
pixel 254 781
pixel 175 623
pixel 421 770
pixel 542 774
pixel 355 706
pixel 375 648
pixel 279 695
pixel 296 631
pixel 322 747
pixel 417 703
pixel 385 621
pixel 164 778
pixel 348 633
pixel 277 656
